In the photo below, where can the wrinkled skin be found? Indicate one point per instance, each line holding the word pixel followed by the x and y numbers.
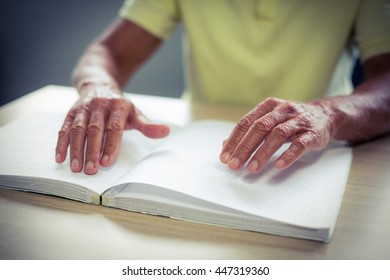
pixel 96 123
pixel 271 124
pixel 311 126
pixel 94 126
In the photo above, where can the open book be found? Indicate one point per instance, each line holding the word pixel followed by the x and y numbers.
pixel 181 177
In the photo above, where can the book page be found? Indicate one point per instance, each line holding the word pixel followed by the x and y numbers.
pixel 306 194
pixel 28 149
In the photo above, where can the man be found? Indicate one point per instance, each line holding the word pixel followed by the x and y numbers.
pixel 262 53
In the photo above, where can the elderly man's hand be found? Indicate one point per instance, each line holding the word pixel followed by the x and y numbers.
pixel 94 126
pixel 261 132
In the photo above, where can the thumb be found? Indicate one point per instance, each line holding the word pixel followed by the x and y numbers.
pixel 149 129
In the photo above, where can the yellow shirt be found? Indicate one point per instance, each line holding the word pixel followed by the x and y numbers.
pixel 242 51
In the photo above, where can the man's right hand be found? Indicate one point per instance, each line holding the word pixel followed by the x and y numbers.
pixel 94 126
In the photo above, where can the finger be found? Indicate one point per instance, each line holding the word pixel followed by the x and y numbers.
pixel 94 141
pixel 230 144
pixel 242 127
pixel 64 138
pixel 148 128
pixel 257 133
pixel 114 131
pixel 279 135
pixel 224 142
pixel 77 140
pixel 300 145
pixel 137 120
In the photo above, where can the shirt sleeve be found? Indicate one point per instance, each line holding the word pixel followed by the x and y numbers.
pixel 373 28
pixel 158 17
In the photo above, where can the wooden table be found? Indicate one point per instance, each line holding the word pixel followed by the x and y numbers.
pixel 34 226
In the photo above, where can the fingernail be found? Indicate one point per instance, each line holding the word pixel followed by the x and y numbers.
pixel 105 160
pixel 253 166
pixel 225 157
pixel 234 163
pixel 58 158
pixel 89 165
pixel 280 164
pixel 75 165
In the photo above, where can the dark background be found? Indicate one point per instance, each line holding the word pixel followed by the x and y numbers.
pixel 41 41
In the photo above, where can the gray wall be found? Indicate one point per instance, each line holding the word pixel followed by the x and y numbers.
pixel 41 41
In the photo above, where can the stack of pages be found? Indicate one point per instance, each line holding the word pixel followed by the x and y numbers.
pixel 181 177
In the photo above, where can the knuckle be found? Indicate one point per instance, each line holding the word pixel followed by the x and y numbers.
pixel 122 105
pixel 245 122
pixel 231 143
pixel 243 148
pixel 71 114
pixel 306 120
pixel 271 100
pixel 263 125
pixel 62 133
pixel 95 128
pixel 100 103
pixel 282 131
pixel 77 129
pixel 316 139
pixel 83 109
pixel 114 126
pixel 302 143
pixel 289 108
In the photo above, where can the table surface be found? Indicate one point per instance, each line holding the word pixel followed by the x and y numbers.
pixel 35 226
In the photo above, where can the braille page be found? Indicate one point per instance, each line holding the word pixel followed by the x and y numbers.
pixel 28 149
pixel 306 194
